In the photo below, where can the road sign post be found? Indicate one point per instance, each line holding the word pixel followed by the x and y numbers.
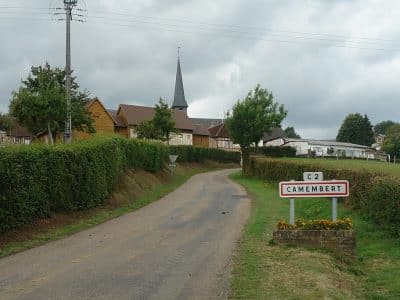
pixel 313 189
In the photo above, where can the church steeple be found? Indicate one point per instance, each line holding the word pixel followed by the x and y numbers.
pixel 179 96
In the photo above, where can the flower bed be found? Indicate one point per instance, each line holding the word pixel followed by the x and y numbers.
pixel 337 237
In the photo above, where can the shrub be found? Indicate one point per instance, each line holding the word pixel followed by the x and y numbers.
pixel 198 154
pixel 275 151
pixel 38 180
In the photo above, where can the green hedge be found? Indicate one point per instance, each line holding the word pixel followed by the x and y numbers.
pixel 38 180
pixel 375 195
pixel 199 154
pixel 275 151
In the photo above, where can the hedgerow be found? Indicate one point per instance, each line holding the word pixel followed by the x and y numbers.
pixel 275 151
pixel 375 195
pixel 39 180
pixel 199 154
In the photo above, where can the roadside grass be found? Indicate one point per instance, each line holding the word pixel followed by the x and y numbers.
pixel 263 270
pixel 361 165
pixel 135 190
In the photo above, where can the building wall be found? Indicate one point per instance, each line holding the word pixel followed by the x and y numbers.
pixel 183 138
pixel 201 141
pixel 103 122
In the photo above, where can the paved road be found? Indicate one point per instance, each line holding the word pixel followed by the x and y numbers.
pixel 176 248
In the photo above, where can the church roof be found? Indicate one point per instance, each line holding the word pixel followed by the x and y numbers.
pixel 179 96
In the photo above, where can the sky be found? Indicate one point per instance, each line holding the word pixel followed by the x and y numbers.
pixel 321 59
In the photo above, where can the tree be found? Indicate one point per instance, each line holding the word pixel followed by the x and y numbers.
pixel 40 103
pixel 146 130
pixel 391 145
pixel 291 133
pixel 356 129
pixel 382 127
pixel 163 122
pixel 251 118
pixel 5 123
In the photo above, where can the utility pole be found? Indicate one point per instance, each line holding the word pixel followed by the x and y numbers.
pixel 68 6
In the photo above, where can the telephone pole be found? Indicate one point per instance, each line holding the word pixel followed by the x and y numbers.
pixel 68 6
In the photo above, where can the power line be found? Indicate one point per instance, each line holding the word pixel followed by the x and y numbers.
pixel 232 31
pixel 239 32
pixel 248 29
pixel 243 37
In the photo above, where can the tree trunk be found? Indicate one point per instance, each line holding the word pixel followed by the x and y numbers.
pixel 49 133
pixel 245 160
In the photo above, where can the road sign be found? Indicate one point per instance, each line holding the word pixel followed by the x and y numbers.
pixel 301 189
pixel 313 176
pixel 172 159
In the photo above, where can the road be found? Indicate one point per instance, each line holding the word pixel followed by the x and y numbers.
pixel 179 247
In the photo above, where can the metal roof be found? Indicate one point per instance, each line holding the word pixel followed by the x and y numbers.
pixel 327 143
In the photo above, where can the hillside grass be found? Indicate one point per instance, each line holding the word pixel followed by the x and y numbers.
pixel 263 270
pixel 360 165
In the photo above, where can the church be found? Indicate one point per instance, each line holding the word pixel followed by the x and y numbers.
pixel 209 133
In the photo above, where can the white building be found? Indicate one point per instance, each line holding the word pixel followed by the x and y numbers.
pixel 320 148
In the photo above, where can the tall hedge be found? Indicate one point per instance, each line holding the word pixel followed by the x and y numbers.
pixel 38 180
pixel 275 151
pixel 375 195
pixel 199 154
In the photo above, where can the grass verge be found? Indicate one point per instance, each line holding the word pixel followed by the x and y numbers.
pixel 266 271
pixel 135 190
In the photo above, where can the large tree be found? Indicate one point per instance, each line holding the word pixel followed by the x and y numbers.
pixel 382 127
pixel 291 133
pixel 251 118
pixel 356 129
pixel 163 121
pixel 40 103
pixel 391 145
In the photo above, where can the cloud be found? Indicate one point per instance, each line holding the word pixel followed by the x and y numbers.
pixel 311 54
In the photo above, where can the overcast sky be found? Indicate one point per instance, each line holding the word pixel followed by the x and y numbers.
pixel 321 59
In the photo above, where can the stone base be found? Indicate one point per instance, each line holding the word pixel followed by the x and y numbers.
pixel 341 242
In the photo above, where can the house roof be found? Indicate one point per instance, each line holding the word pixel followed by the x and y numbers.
pixel 274 134
pixel 135 114
pixel 18 130
pixel 219 131
pixel 179 95
pixel 207 123
pixel 200 130
pixel 118 120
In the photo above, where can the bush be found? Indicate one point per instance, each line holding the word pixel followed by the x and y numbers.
pixel 38 180
pixel 198 154
pixel 375 195
pixel 272 151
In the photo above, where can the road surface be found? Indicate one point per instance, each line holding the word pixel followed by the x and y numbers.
pixel 177 248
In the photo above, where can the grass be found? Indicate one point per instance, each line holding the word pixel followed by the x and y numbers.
pixel 135 190
pixel 361 165
pixel 266 271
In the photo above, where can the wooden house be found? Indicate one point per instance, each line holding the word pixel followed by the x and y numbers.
pixel 105 122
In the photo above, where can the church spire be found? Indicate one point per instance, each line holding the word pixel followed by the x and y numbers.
pixel 179 96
